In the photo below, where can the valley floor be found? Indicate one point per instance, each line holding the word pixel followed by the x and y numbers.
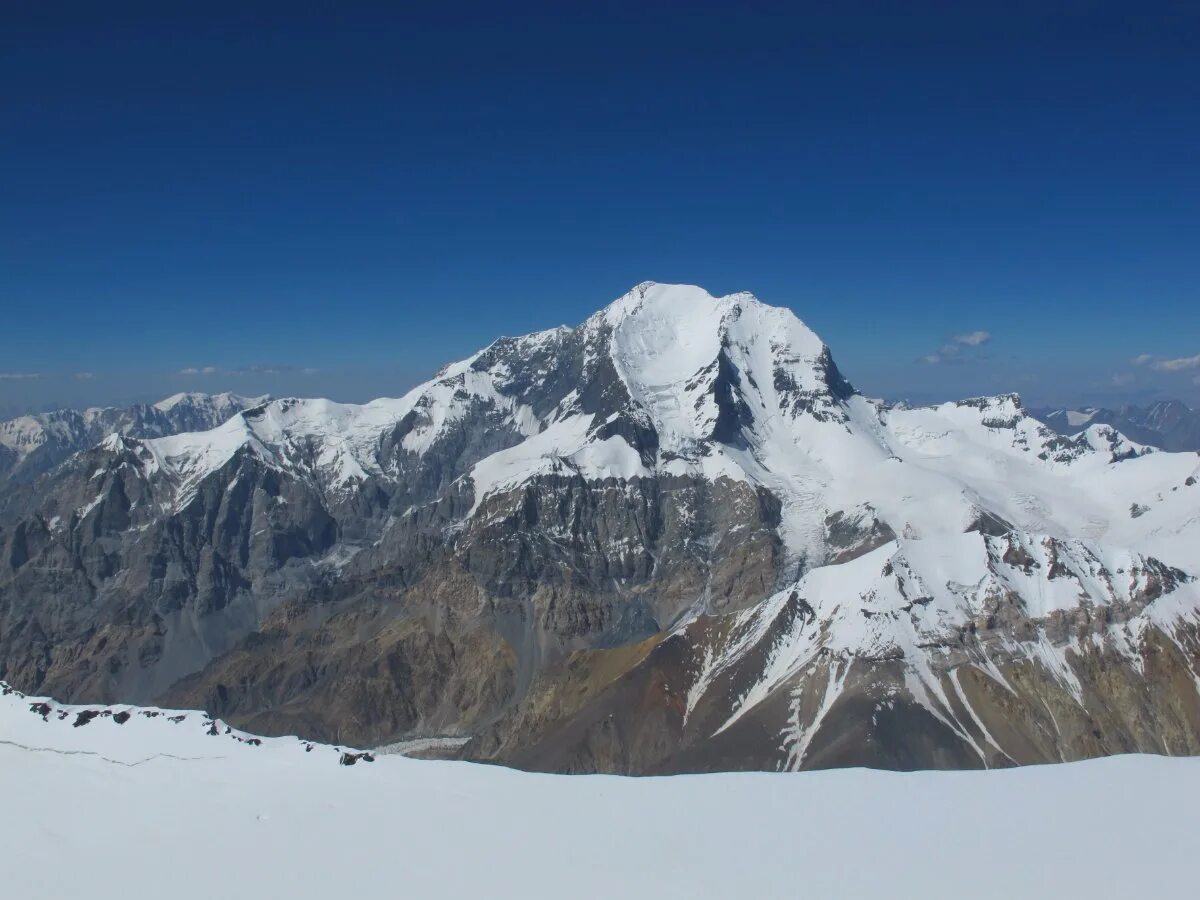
pixel 149 808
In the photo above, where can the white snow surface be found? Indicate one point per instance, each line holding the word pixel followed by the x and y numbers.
pixel 151 808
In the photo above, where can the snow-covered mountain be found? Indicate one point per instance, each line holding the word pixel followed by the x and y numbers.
pixel 1168 424
pixel 114 802
pixel 33 444
pixel 673 537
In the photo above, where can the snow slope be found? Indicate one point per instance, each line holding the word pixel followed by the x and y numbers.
pixel 152 808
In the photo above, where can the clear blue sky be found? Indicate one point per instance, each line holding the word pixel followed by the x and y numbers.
pixel 369 193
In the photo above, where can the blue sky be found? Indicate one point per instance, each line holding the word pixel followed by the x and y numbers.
pixel 336 202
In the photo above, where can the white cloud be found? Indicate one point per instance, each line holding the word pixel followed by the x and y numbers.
pixel 1123 379
pixel 85 376
pixel 246 370
pixel 1179 364
pixel 973 338
pixel 18 376
pixel 954 347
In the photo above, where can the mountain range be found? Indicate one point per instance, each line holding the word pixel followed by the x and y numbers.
pixel 672 538
pixel 32 445
pixel 1168 424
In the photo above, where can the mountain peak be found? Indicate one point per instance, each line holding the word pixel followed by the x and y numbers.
pixel 223 400
pixel 664 334
pixel 689 303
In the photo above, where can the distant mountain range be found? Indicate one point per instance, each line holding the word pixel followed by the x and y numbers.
pixel 671 538
pixel 1168 424
pixel 32 445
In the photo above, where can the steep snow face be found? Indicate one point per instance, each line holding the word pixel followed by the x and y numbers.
pixel 662 335
pixel 684 354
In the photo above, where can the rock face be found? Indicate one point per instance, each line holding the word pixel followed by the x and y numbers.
pixel 673 538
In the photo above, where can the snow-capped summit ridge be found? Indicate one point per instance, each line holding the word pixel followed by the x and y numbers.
pixel 223 400
pixel 672 381
pixel 691 323
pixel 678 362
pixel 34 444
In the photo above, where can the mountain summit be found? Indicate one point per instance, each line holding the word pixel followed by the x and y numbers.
pixel 671 538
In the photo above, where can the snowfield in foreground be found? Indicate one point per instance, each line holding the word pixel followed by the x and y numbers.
pixel 137 803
